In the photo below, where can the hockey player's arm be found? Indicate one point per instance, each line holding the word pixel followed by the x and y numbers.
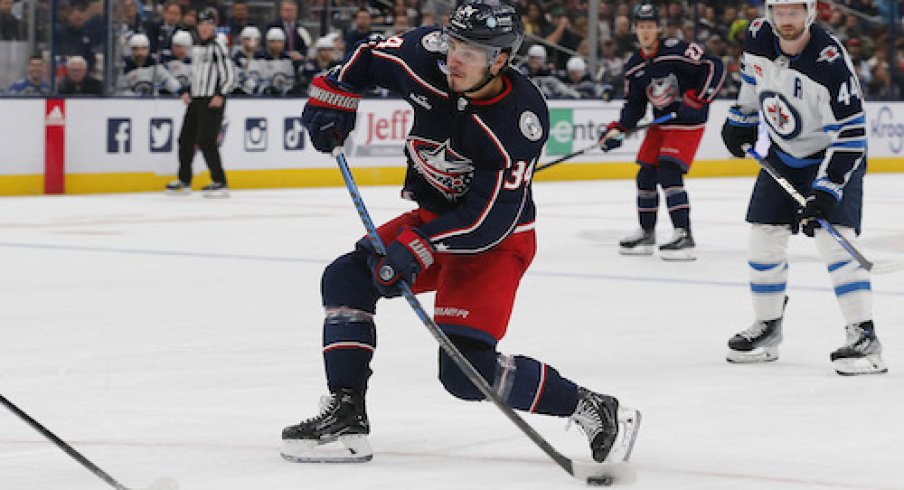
pixel 166 81
pixel 388 63
pixel 635 106
pixel 847 129
pixel 712 74
pixel 740 127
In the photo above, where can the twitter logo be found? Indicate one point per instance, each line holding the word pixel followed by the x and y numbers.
pixel 161 135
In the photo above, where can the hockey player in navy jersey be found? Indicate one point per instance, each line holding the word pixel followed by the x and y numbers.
pixel 800 78
pixel 672 76
pixel 478 130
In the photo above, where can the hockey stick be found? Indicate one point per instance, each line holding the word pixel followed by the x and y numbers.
pixel 159 484
pixel 658 120
pixel 600 473
pixel 872 267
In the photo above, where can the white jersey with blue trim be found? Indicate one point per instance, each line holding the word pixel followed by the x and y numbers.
pixel 811 103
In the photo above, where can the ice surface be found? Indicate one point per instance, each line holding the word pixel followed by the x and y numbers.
pixel 176 336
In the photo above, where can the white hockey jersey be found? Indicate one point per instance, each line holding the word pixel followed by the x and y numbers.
pixel 180 69
pixel 141 80
pixel 811 103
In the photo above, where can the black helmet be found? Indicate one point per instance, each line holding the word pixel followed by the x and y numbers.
pixel 646 11
pixel 209 14
pixel 490 23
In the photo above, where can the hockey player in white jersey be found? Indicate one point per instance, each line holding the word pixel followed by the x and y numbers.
pixel 801 80
pixel 142 74
pixel 178 63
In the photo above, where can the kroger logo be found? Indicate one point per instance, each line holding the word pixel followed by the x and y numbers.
pixel 884 127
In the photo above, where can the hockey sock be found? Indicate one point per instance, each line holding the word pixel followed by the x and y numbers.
pixel 539 388
pixel 647 197
pixel 671 179
pixel 349 340
pixel 768 268
pixel 852 282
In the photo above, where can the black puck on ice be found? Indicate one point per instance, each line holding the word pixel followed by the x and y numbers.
pixel 599 481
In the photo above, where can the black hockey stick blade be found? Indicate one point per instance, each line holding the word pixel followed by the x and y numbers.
pixel 158 484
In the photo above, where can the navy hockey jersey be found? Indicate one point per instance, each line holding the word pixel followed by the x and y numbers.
pixel 469 161
pixel 811 103
pixel 662 79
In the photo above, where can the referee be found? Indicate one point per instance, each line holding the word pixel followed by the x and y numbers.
pixel 212 77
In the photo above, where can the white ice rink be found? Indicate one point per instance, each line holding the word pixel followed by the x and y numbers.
pixel 170 336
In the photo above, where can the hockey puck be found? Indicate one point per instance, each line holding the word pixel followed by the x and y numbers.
pixel 600 481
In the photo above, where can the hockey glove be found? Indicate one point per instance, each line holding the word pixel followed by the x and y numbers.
pixel 329 115
pixel 692 109
pixel 406 257
pixel 612 137
pixel 739 129
pixel 819 205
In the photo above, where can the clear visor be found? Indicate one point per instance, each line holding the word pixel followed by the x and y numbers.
pixel 789 12
pixel 466 52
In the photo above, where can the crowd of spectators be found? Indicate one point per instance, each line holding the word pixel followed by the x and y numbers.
pixel 277 52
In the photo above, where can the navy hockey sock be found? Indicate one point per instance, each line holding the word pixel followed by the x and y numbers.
pixel 671 178
pixel 349 340
pixel 647 197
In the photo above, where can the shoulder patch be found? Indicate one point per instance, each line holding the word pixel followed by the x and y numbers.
pixel 671 42
pixel 829 54
pixel 433 42
pixel 755 26
pixel 530 126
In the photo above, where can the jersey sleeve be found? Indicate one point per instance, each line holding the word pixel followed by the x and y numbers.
pixel 493 205
pixel 846 126
pixel 635 100
pixel 711 72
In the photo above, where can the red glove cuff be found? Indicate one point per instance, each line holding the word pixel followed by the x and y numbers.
pixel 325 94
pixel 418 246
pixel 616 125
pixel 691 100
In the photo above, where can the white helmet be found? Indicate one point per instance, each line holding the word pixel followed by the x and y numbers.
pixel 139 40
pixel 810 4
pixel 325 42
pixel 182 38
pixel 536 51
pixel 250 32
pixel 275 34
pixel 576 63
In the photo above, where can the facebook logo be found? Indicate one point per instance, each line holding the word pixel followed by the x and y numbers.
pixel 293 134
pixel 119 135
pixel 161 135
pixel 255 134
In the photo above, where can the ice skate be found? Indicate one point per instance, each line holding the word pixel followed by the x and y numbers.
pixel 641 242
pixel 861 353
pixel 610 427
pixel 758 343
pixel 215 190
pixel 342 420
pixel 177 187
pixel 680 247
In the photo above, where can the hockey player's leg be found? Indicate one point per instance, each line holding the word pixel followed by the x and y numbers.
pixel 862 351
pixel 681 245
pixel 532 386
pixel 349 340
pixel 768 269
pixel 642 241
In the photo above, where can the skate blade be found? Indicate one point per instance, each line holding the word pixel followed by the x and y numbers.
pixel 677 255
pixel 628 426
pixel 760 354
pixel 216 195
pixel 604 474
pixel 855 366
pixel 180 192
pixel 638 250
pixel 347 449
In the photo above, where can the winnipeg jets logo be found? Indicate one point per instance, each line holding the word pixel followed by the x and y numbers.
pixel 829 54
pixel 443 168
pixel 662 92
pixel 755 27
pixel 780 115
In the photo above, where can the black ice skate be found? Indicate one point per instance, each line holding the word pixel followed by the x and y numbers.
pixel 215 189
pixel 861 354
pixel 342 419
pixel 641 242
pixel 680 247
pixel 178 187
pixel 610 427
pixel 758 343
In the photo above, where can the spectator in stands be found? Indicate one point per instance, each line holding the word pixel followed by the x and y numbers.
pixel 325 57
pixel 534 20
pixel 536 65
pixel 563 34
pixel 247 72
pixel 612 69
pixel 605 20
pixel 130 19
pixel 190 18
pixel 142 75
pixel 297 38
pixel 400 25
pixel 278 72
pixel 10 30
pixel 178 61
pixel 71 37
pixel 428 19
pixel 77 80
pixel 33 84
pixel 361 31
pixel 709 23
pixel 161 32
pixel 579 80
pixel 624 38
pixel 239 19
pixel 861 67
pixel 400 9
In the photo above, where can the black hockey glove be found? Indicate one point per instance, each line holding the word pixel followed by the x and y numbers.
pixel 406 257
pixel 819 205
pixel 739 129
pixel 329 115
pixel 609 139
pixel 692 109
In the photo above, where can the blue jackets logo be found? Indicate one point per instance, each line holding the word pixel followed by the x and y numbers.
pixel 293 134
pixel 255 134
pixel 161 135
pixel 119 135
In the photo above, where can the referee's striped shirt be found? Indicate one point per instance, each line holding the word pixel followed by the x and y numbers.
pixel 212 71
